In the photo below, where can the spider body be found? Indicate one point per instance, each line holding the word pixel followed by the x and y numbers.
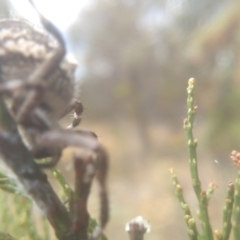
pixel 37 86
pixel 23 48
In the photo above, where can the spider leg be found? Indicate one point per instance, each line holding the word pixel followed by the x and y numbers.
pixel 13 86
pixel 55 154
pixel 77 107
pixel 34 97
pixel 66 138
pixel 87 133
pixel 103 195
pixel 85 169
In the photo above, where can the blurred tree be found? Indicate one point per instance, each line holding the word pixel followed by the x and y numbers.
pixel 121 56
pixel 138 53
pixel 218 45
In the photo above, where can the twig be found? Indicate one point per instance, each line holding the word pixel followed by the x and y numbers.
pixel 192 146
pixel 192 143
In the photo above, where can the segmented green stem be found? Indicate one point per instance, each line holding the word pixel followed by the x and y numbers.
pixel 191 224
pixel 236 209
pixel 7 185
pixel 192 143
pixel 227 212
pixel 204 217
pixel 62 181
pixel 192 146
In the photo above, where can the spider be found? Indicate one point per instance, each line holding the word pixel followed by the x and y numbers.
pixel 36 84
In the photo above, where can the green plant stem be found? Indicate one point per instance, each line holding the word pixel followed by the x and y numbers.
pixel 236 209
pixel 192 147
pixel 2 175
pixel 9 188
pixel 192 143
pixel 227 212
pixel 3 181
pixel 205 221
pixel 192 229
pixel 62 181
pixel 7 185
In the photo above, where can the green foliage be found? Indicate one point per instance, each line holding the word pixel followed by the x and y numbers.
pixel 17 218
pixel 231 211
pixel 17 215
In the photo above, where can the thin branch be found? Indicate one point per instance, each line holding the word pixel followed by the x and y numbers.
pixel 192 147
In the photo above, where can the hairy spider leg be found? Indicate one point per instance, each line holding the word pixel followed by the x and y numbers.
pixel 85 166
pixel 34 97
pixel 65 138
pixel 12 86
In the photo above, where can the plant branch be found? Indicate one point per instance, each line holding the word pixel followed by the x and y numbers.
pixel 227 212
pixel 236 209
pixel 192 148
pixel 192 228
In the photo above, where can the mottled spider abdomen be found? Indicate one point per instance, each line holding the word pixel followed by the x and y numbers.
pixel 23 48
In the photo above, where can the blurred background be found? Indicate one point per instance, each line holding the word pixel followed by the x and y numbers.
pixel 135 58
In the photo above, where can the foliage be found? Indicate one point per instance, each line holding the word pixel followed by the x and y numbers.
pixel 136 65
pixel 231 213
pixel 134 54
pixel 14 204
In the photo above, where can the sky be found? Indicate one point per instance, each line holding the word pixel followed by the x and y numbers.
pixel 61 13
